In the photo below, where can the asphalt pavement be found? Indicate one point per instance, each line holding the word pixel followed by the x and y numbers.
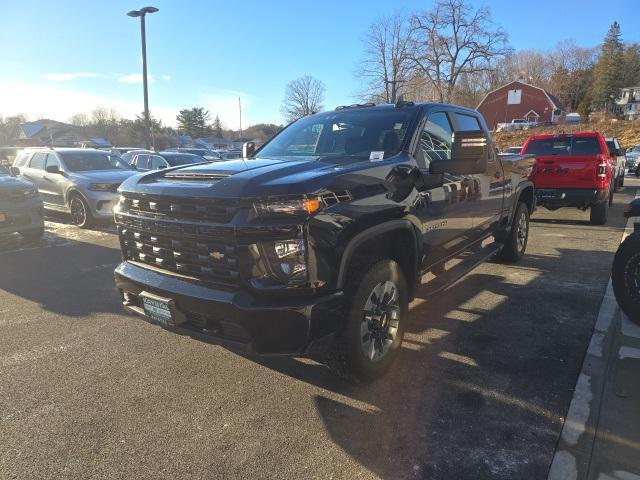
pixel 480 390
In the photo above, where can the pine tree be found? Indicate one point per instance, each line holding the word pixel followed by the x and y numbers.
pixel 194 122
pixel 217 127
pixel 607 73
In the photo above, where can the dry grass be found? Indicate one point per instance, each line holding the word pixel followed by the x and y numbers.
pixel 627 132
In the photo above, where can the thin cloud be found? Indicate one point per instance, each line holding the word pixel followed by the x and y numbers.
pixel 65 77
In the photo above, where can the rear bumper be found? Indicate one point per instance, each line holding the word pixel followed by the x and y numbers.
pixel 235 319
pixel 553 198
pixel 22 217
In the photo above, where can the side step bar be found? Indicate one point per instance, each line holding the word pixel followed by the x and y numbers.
pixel 449 277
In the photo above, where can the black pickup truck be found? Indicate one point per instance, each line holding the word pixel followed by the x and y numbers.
pixel 319 242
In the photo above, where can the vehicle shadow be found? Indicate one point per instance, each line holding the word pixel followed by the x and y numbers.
pixel 483 380
pixel 62 275
pixel 103 225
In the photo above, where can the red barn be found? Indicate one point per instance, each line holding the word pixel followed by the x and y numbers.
pixel 519 100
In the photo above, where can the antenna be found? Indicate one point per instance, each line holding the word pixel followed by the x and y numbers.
pixel 240 109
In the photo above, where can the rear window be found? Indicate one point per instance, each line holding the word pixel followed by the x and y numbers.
pixel 564 146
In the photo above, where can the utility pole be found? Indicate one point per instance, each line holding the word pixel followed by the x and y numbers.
pixel 240 110
pixel 147 120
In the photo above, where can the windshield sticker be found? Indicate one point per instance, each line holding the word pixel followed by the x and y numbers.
pixel 376 156
pixel 397 126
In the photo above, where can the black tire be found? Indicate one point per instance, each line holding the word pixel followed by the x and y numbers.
pixel 515 244
pixel 617 184
pixel 80 212
pixel 598 213
pixel 625 276
pixel 32 236
pixel 622 181
pixel 351 343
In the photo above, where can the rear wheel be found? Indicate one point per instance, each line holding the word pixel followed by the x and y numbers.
pixel 598 213
pixel 80 212
pixel 377 314
pixel 516 242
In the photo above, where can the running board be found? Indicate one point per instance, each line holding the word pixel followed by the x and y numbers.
pixel 455 273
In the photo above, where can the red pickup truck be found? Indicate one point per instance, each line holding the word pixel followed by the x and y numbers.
pixel 572 170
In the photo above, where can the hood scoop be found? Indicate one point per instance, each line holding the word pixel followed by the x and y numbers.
pixel 195 176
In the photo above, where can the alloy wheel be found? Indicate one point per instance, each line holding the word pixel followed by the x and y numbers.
pixel 78 211
pixel 380 321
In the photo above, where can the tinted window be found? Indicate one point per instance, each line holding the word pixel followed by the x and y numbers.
pixel 38 161
pixel 467 123
pixel 157 162
pixel 564 146
pixel 21 160
pixel 343 133
pixel 435 141
pixel 52 161
pixel 141 161
pixel 4 171
pixel 85 161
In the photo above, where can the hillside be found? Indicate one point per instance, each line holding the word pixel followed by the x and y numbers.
pixel 627 132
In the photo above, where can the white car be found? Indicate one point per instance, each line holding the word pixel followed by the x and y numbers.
pixel 633 157
pixel 621 162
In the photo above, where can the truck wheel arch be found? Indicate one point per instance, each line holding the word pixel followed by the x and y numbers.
pixel 409 260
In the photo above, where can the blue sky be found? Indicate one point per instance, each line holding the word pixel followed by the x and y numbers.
pixel 60 57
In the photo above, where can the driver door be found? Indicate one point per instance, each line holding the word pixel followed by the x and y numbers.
pixel 444 211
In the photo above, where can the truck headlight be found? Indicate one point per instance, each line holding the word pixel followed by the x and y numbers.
pixel 280 208
pixel 287 260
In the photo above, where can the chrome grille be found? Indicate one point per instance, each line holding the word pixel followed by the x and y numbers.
pixel 202 259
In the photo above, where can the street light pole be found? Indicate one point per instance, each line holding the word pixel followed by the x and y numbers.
pixel 147 120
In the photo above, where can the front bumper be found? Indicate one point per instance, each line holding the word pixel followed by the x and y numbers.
pixel 21 216
pixel 553 198
pixel 101 203
pixel 236 319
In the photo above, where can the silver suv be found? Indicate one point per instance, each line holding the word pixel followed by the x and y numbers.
pixel 80 181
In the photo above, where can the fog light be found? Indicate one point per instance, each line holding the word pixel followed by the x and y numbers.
pixel 287 260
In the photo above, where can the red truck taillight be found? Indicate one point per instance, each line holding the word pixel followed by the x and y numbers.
pixel 602 169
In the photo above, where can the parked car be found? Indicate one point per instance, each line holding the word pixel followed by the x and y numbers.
pixel 625 270
pixel 127 157
pixel 157 161
pixel 206 153
pixel 79 181
pixel 633 157
pixel 573 170
pixel 618 155
pixel 515 150
pixel 516 124
pixel 20 207
pixel 319 243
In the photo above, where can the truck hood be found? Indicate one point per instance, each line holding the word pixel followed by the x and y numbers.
pixel 8 182
pixel 260 177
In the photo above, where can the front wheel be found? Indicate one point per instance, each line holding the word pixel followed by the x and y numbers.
pixel 80 212
pixel 377 315
pixel 516 242
pixel 625 276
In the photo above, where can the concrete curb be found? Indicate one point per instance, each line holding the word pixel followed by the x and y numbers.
pixel 575 446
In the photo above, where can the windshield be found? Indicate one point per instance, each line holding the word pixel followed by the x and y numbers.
pixel 363 133
pixel 177 159
pixel 4 171
pixel 87 161
pixel 566 145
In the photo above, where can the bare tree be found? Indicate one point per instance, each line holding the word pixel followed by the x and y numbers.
pixel 387 65
pixel 303 96
pixel 453 40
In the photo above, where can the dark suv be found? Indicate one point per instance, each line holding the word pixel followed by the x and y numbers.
pixel 319 243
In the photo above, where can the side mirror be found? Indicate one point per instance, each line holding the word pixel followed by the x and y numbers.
pixel 469 155
pixel 15 171
pixel 248 150
pixel 52 169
